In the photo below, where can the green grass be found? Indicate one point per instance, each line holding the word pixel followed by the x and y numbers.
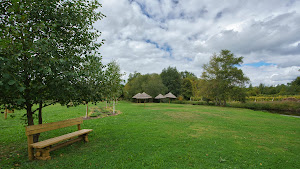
pixel 164 136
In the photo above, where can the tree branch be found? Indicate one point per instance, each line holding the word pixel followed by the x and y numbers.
pixel 45 105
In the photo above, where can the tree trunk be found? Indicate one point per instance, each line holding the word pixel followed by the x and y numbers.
pixel 30 120
pixel 37 136
pixel 40 112
pixel 114 106
pixel 87 109
pixel 29 114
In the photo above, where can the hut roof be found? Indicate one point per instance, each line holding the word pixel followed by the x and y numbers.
pixel 170 95
pixel 160 96
pixel 144 96
pixel 137 95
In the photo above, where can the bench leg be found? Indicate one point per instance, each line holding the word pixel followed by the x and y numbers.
pixel 30 153
pixel 85 137
pixel 43 153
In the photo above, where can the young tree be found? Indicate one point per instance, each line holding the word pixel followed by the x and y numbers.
pixel 223 79
pixel 44 46
pixel 113 82
pixel 90 85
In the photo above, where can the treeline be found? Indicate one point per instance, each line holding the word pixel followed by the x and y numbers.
pixel 170 79
pixel 292 88
pixel 186 86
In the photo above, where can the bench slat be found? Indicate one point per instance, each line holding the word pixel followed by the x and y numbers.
pixel 34 129
pixel 58 139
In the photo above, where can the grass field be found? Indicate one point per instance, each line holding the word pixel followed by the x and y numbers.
pixel 163 136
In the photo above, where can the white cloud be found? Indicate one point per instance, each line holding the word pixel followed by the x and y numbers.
pixel 271 75
pixel 147 36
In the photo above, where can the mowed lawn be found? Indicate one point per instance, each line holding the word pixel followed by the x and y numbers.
pixel 163 136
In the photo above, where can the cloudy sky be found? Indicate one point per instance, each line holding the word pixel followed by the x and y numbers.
pixel 149 35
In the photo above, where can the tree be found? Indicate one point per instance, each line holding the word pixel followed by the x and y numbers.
pixel 186 74
pixel 133 76
pixel 44 46
pixel 154 86
pixel 113 82
pixel 294 86
pixel 187 88
pixel 149 83
pixel 223 79
pixel 90 85
pixel 171 78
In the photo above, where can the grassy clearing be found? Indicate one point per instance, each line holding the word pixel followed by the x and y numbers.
pixel 164 136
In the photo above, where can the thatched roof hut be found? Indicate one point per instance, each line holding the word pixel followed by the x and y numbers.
pixel 136 96
pixel 142 96
pixel 170 95
pixel 160 96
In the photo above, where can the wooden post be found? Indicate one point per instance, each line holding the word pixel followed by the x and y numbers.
pixel 5 114
pixel 30 149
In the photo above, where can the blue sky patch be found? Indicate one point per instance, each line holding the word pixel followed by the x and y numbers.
pixel 143 9
pixel 188 59
pixel 152 42
pixel 258 64
pixel 165 47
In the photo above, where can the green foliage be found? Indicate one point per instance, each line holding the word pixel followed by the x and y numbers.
pixel 112 83
pixel 150 83
pixel 292 88
pixel 186 74
pixel 46 46
pixel 171 78
pixel 187 88
pixel 223 79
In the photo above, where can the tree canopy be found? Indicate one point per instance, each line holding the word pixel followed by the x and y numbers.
pixel 113 80
pixel 223 79
pixel 48 52
pixel 149 83
pixel 171 78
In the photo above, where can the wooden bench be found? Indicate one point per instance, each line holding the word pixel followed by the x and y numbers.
pixel 43 148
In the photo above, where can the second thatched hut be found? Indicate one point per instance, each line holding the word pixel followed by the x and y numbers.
pixel 170 96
